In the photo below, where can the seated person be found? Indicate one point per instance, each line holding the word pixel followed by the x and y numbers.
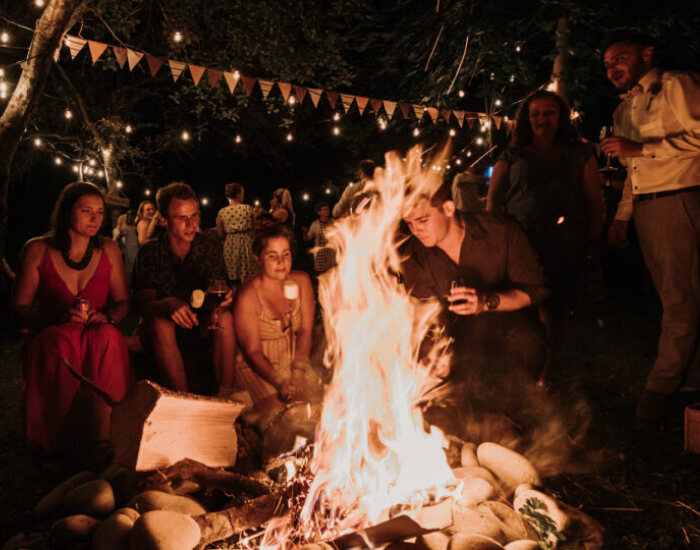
pixel 167 270
pixel 273 326
pixel 484 271
pixel 71 263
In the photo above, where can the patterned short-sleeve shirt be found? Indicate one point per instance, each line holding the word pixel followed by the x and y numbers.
pixel 159 269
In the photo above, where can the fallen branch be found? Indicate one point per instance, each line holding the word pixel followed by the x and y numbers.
pixel 206 477
pixel 216 526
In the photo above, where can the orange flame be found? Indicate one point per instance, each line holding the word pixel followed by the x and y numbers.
pixel 372 451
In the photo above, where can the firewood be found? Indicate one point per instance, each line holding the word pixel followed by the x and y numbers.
pixel 154 427
pixel 216 526
pixel 206 477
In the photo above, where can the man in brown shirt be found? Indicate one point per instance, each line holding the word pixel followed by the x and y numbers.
pixel 484 270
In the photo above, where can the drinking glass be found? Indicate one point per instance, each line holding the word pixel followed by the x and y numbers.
pixel 606 132
pixel 218 288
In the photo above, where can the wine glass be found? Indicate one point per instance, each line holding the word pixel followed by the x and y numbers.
pixel 606 132
pixel 218 288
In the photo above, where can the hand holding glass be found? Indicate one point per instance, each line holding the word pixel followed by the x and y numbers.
pixel 217 291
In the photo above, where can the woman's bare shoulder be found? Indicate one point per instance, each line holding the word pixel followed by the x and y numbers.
pixel 34 248
pixel 246 295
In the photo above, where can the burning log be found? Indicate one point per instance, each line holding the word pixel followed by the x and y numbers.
pixel 154 427
pixel 205 477
pixel 216 526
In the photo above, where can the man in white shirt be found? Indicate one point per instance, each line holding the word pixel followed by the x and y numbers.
pixel 347 200
pixel 657 137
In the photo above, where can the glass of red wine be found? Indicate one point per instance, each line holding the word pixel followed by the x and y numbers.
pixel 218 288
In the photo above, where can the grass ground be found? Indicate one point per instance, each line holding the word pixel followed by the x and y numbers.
pixel 654 505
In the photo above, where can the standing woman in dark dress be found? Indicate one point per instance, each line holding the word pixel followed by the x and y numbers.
pixel 548 180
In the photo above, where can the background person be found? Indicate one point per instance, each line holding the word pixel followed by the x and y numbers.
pixel 234 226
pixel 347 201
pixel 72 261
pixel 657 137
pixel 281 207
pixel 147 221
pixel 126 236
pixel 548 181
pixel 324 257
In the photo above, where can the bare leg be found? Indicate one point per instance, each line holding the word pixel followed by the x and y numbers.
pixel 161 333
pixel 224 350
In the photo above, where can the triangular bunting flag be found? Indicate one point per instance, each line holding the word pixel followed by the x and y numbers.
pixel 433 113
pixel 134 58
pixel 419 110
pixel 197 72
pixel 300 92
pixel 389 107
pixel 459 115
pixel 346 101
pixel 332 98
pixel 315 95
pixel 285 89
pixel 96 49
pixel 75 44
pixel 120 54
pixel 266 87
pixel 497 121
pixel 213 77
pixel 154 64
pixel 361 103
pixel 376 105
pixel 483 119
pixel 249 84
pixel 231 80
pixel 471 118
pixel 446 113
pixel 405 109
pixel 176 68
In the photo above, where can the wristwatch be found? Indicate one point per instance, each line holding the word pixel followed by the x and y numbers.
pixel 491 301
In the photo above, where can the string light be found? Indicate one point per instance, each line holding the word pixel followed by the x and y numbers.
pixel 479 141
pixel 128 129
pixel 498 103
pixel 328 190
pixel 460 93
pixel 305 197
pixel 177 37
pixel 518 48
pixel 292 100
pixel 458 162
pixel 58 161
pixel 92 162
pixel 76 169
pixel 205 201
pixel 39 3
pixel 289 137
pixel 492 76
pixel 336 131
pixel 552 87
pixel 68 114
pixel 236 75
pixel 512 78
pixel 238 138
pixel 185 135
pixel 448 167
pixel 453 132
pixel 100 174
pixel 469 153
pixel 416 132
pixel 37 142
pixel 119 184
pixel 2 73
pixel 336 117
pixel 574 115
pixel 147 192
pixel 256 202
pixel 4 37
pixel 382 123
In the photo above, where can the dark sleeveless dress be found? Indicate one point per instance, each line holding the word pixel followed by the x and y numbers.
pixel 98 352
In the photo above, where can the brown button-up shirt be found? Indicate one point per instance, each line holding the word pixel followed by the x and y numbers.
pixel 495 256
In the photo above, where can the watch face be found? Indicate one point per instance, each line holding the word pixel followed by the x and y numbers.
pixel 492 301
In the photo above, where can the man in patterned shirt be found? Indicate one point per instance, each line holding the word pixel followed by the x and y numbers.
pixel 657 137
pixel 166 272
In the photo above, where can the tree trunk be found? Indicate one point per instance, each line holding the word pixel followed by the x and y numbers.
pixel 57 18
pixel 561 62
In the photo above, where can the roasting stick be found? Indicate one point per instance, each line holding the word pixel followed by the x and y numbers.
pixel 473 164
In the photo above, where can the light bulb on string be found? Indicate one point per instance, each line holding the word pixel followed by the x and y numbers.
pixel 305 197
pixel 512 78
pixel 177 36
pixel 458 162
pixel 205 201
pixel 453 132
pixel 292 100
pixel 382 123
pixel 4 37
pixel 58 161
pixel 68 114
pixel 518 48
pixel 416 132
pixel 498 103
pixel 328 190
pixel 479 141
pixel 2 73
pixel 147 192
pixel 39 3
pixel 236 75
pixel 448 167
pixel 238 138
pixel 256 202
pixel 289 137
pixel 100 174
pixel 128 128
pixel 37 142
pixel 92 162
pixel 76 169
pixel 336 130
pixel 119 184
pixel 469 153
pixel 185 135
pixel 461 93
pixel 336 117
